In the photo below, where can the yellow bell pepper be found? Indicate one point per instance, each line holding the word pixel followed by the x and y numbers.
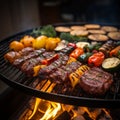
pixel 71 59
pixel 75 76
pixel 37 68
pixel 40 42
pixel 51 43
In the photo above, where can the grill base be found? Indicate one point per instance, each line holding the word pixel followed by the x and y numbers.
pixel 10 109
pixel 33 86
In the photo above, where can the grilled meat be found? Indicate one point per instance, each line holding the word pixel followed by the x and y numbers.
pixel 67 50
pixel 107 47
pixel 95 81
pixel 46 71
pixel 26 51
pixel 18 62
pixel 13 55
pixel 28 65
pixel 62 74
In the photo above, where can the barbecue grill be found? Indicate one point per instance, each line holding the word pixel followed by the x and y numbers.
pixel 34 87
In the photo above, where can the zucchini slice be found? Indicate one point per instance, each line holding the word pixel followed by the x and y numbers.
pixel 111 64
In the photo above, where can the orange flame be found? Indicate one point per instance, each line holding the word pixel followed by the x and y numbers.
pixel 52 110
pixel 48 87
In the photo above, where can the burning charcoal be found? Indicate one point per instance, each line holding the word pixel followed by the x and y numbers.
pixel 86 116
pixel 79 118
pixel 64 116
pixel 103 116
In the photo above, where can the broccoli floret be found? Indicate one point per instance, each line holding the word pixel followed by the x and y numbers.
pixel 47 30
pixel 66 36
pixel 70 38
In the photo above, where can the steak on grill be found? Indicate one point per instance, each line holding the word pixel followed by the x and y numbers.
pixel 95 81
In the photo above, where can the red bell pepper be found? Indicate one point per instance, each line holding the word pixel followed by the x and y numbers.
pixel 72 44
pixel 50 60
pixel 115 51
pixel 77 52
pixel 96 59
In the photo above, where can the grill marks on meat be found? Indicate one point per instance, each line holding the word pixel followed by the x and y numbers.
pixel 29 64
pixel 13 55
pixel 46 71
pixel 18 62
pixel 62 74
pixel 26 51
pixel 96 81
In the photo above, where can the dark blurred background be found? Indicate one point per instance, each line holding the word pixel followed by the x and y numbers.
pixel 20 15
pixel 97 11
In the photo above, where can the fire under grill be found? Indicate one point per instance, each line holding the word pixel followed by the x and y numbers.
pixel 45 89
pixel 56 111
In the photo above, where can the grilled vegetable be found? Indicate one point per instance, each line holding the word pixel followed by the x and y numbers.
pixel 71 59
pixel 91 47
pixel 37 68
pixel 70 38
pixel 84 57
pixel 40 42
pixel 75 76
pixel 82 44
pixel 118 54
pixel 61 45
pixel 111 64
pixel 77 52
pixel 16 46
pixel 27 41
pixel 47 30
pixel 115 51
pixel 96 59
pixel 51 43
pixel 72 44
pixel 50 60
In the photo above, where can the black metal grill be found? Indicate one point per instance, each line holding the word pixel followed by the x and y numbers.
pixel 39 88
